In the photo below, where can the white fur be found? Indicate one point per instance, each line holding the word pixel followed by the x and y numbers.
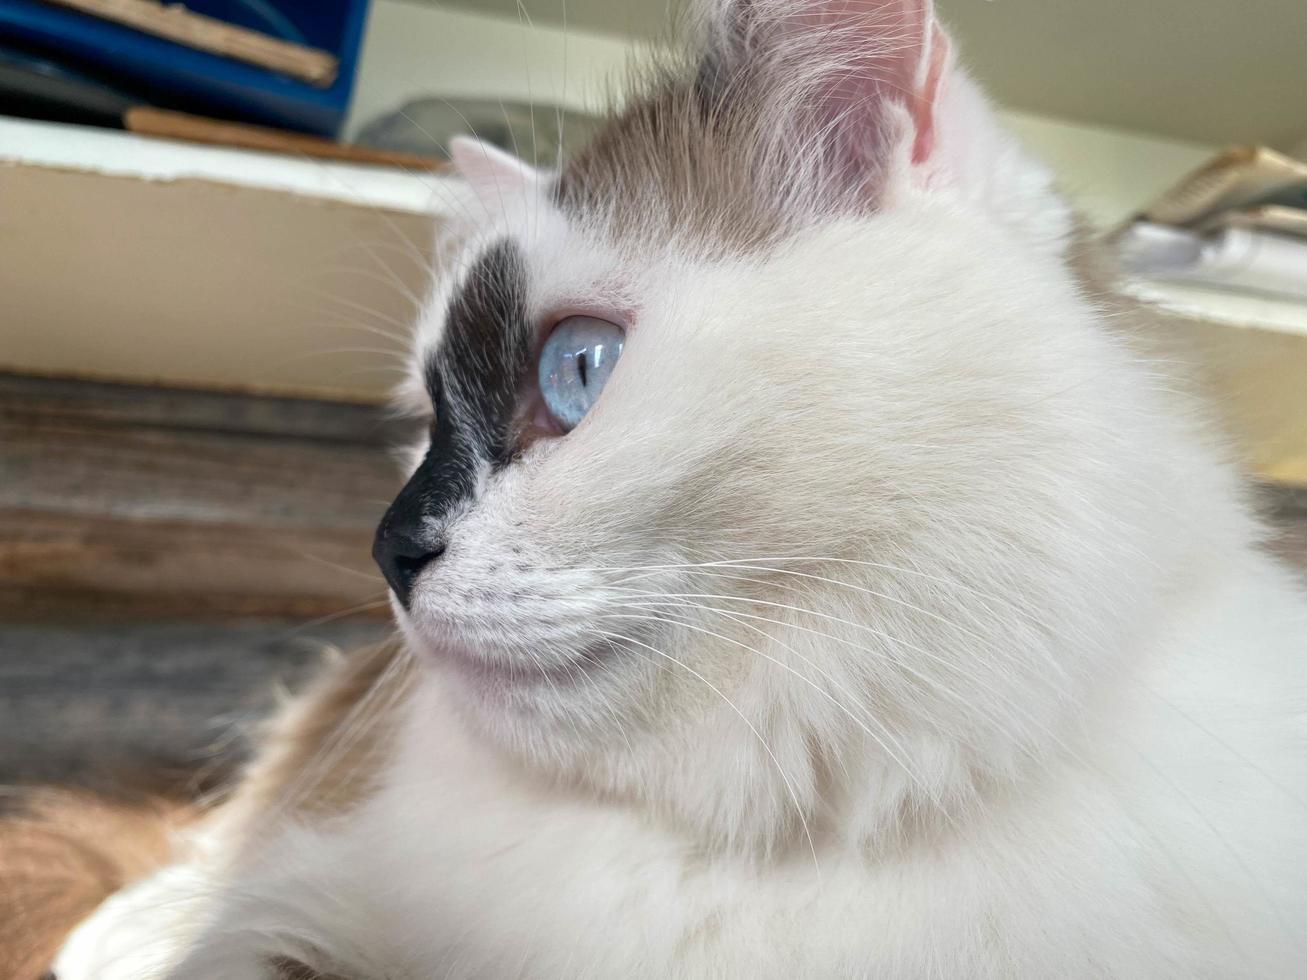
pixel 941 640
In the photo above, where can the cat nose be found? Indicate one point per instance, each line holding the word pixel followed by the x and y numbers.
pixel 401 552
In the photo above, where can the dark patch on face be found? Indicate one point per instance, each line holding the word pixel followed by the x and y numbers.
pixel 475 380
pixel 285 968
pixel 483 359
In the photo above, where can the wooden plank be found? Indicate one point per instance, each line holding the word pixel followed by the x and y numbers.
pixel 59 563
pixel 177 24
pixel 166 502
pixel 167 124
pixel 249 411
pixel 84 697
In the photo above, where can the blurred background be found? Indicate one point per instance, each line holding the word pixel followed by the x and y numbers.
pixel 214 227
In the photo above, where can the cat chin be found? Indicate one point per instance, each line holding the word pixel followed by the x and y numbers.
pixel 496 668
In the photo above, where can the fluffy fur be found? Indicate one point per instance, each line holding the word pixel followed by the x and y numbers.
pixel 889 615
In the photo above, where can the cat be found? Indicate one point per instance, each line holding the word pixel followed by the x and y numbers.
pixel 808 573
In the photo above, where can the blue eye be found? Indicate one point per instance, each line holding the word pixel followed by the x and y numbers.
pixel 575 364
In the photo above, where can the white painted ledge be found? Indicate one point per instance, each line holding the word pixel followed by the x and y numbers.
pixel 114 153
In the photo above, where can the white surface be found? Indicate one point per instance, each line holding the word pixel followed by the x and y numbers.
pixel 1242 259
pixel 115 153
pixel 1221 306
pixel 1148 249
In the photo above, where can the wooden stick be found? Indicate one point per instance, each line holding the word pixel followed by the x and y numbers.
pixel 149 121
pixel 176 23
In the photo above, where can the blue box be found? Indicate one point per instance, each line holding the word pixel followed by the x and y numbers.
pixel 174 76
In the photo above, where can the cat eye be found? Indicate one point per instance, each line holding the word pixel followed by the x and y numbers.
pixel 575 364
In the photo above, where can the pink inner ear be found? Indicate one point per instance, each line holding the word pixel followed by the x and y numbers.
pixel 886 51
pixel 491 172
pixel 927 96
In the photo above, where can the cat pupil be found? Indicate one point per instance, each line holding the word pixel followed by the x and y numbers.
pixel 575 363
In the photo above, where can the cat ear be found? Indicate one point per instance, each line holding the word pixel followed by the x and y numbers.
pixel 494 176
pixel 863 78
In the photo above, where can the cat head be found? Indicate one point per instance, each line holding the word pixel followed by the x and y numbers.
pixel 850 526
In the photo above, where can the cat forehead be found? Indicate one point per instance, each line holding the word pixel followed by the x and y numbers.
pixel 677 165
pixel 683 164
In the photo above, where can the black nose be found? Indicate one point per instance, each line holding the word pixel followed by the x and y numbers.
pixel 402 552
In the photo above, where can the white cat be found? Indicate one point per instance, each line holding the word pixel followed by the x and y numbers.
pixel 885 616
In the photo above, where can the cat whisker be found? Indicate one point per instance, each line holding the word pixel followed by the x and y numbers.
pixel 383 602
pixel 886 655
pixel 336 351
pixel 860 627
pixel 386 277
pixel 522 15
pixel 785 778
pixel 400 352
pixel 382 695
pixel 403 326
pixel 1070 752
pixel 471 129
pixel 841 688
pixel 422 260
pixel 777 559
pixel 717 572
pixel 1019 712
pixel 401 373
pixel 308 556
pixel 432 184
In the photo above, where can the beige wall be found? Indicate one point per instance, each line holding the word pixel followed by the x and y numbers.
pixel 1109 173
